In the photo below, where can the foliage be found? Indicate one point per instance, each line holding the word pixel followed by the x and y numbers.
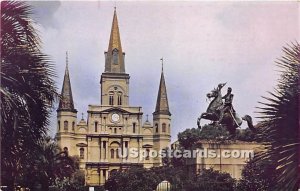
pixel 257 176
pixel 280 119
pixel 49 165
pixel 74 183
pixel 211 180
pixel 135 178
pixel 245 135
pixel 27 90
pixel 190 137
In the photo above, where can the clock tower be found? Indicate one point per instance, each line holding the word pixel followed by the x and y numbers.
pixel 113 126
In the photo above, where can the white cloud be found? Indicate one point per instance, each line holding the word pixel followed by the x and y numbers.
pixel 203 44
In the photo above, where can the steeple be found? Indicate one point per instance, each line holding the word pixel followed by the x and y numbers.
pixel 162 105
pixel 66 102
pixel 114 57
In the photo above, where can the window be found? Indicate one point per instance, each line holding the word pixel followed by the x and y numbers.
pixel 96 126
pixel 147 154
pixel 73 125
pixel 104 173
pixel 117 153
pixel 65 149
pixel 126 144
pixel 112 153
pixel 104 147
pixel 115 56
pixel 119 98
pixel 58 125
pixel 115 130
pixel 169 129
pixel 81 153
pixel 66 125
pixel 111 98
pixel 133 127
pixel 156 128
pixel 163 127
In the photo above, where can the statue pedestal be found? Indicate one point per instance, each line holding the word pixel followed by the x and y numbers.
pixel 226 156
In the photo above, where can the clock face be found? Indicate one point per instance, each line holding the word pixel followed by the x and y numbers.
pixel 115 117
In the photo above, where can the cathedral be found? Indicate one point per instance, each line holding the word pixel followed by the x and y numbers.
pixel 113 127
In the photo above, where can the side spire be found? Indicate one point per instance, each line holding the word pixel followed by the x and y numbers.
pixel 114 62
pixel 162 104
pixel 66 100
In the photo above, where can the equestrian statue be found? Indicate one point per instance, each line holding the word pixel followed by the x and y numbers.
pixel 222 112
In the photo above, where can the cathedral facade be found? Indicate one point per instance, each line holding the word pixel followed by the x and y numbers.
pixel 104 140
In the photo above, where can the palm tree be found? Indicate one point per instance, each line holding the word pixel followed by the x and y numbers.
pixel 48 163
pixel 280 116
pixel 27 89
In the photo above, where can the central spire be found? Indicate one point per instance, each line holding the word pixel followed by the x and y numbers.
pixel 114 57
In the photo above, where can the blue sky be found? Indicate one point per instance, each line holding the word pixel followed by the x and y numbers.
pixel 202 43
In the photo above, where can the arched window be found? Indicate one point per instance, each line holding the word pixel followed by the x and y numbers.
pixel 58 125
pixel 147 154
pixel 104 147
pixel 119 98
pixel 117 153
pixel 133 127
pixel 73 125
pixel 96 126
pixel 81 152
pixel 66 125
pixel 66 150
pixel 163 127
pixel 156 128
pixel 169 129
pixel 115 56
pixel 112 153
pixel 111 98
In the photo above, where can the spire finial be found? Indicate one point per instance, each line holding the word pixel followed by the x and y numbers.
pixel 115 7
pixel 162 64
pixel 67 59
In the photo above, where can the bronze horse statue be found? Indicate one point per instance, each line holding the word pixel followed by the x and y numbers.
pixel 230 119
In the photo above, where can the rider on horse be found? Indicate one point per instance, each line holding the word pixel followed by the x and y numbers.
pixel 217 109
pixel 227 107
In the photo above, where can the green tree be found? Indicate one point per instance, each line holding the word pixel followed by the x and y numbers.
pixel 190 137
pixel 257 176
pixel 135 178
pixel 47 165
pixel 74 183
pixel 27 89
pixel 280 125
pixel 211 180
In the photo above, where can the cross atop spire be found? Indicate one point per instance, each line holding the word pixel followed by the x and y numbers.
pixel 66 100
pixel 162 105
pixel 162 64
pixel 114 62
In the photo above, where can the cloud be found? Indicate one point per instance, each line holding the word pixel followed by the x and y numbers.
pixel 44 12
pixel 203 44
